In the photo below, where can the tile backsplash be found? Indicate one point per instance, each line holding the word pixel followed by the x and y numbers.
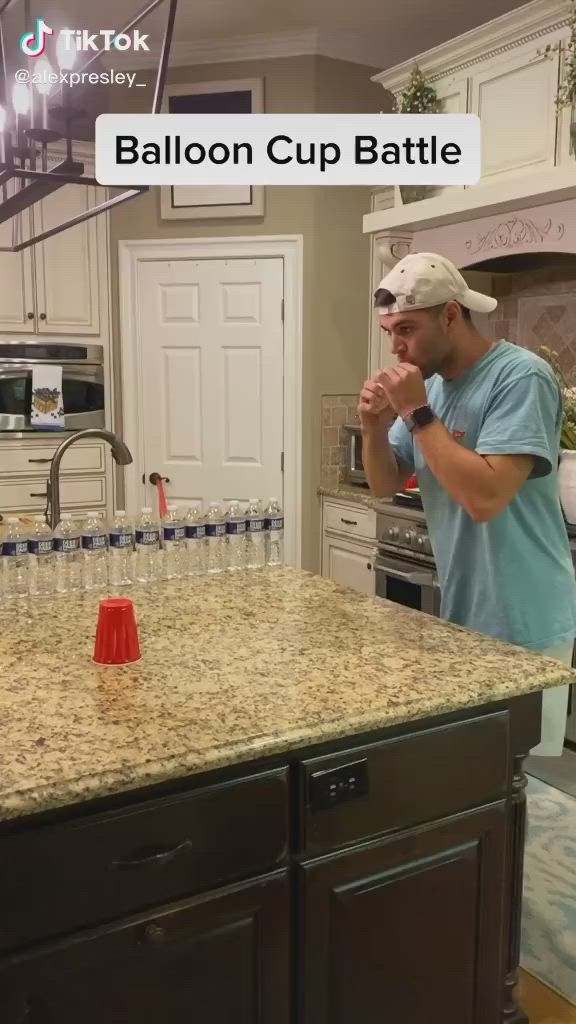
pixel 337 410
pixel 538 308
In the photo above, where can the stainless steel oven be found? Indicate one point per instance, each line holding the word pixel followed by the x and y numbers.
pixel 404 563
pixel 82 382
pixel 354 468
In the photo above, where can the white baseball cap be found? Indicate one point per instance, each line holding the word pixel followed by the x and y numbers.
pixel 424 279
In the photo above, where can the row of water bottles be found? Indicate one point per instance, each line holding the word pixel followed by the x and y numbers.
pixel 89 556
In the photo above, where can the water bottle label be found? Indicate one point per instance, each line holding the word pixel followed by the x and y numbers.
pixel 196 532
pixel 174 533
pixel 41 547
pixel 216 529
pixel 148 538
pixel 65 545
pixel 275 524
pixel 15 548
pixel 236 528
pixel 255 525
pixel 94 543
pixel 120 540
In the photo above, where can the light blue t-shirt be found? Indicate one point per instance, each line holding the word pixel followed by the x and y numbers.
pixel 512 577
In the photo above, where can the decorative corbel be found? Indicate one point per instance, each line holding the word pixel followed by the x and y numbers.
pixel 392 246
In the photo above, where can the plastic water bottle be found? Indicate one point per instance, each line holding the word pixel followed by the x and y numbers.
pixel 174 545
pixel 67 546
pixel 16 560
pixel 216 534
pixel 274 525
pixel 41 551
pixel 147 547
pixel 95 552
pixel 121 555
pixel 196 542
pixel 255 535
pixel 235 537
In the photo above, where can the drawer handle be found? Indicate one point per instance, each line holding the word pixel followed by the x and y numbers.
pixel 348 522
pixel 155 935
pixel 38 494
pixel 152 860
pixel 39 460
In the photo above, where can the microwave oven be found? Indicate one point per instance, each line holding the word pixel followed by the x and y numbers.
pixel 354 469
pixel 82 382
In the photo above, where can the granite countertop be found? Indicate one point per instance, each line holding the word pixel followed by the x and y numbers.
pixel 233 668
pixel 353 492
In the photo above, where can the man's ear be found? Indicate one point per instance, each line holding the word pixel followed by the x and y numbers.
pixel 451 313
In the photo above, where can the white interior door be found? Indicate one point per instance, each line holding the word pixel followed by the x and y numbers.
pixel 211 356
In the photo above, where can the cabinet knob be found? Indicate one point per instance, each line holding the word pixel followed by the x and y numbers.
pixel 155 935
pixel 30 316
pixel 43 316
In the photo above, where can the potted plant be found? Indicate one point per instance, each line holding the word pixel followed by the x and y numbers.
pixel 419 97
pixel 567 467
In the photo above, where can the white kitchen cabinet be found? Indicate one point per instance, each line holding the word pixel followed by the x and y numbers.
pixel 452 91
pixel 29 496
pixel 17 280
pixel 513 95
pixel 67 277
pixel 58 286
pixel 348 564
pixel 348 543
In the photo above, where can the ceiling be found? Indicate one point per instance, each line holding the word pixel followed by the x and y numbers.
pixel 374 32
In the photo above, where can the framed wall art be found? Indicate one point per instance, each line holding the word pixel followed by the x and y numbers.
pixel 203 202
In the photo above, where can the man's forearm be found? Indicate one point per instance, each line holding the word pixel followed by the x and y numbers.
pixel 379 462
pixel 466 476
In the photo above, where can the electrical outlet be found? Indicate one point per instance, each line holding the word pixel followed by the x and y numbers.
pixel 335 786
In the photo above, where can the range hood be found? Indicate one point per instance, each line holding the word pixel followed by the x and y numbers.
pixel 526 224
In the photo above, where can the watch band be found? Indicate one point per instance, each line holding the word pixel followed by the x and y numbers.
pixel 420 417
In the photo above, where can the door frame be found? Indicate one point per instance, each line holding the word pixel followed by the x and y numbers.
pixel 132 252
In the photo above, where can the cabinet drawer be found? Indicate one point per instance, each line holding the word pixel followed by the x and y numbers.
pixel 30 495
pixel 63 877
pixel 32 459
pixel 408 780
pixel 352 519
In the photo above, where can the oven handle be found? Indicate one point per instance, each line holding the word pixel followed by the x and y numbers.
pixel 418 578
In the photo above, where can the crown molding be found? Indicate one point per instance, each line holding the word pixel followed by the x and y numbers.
pixel 530 22
pixel 357 49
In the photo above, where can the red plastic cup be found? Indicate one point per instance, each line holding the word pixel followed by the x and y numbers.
pixel 117 640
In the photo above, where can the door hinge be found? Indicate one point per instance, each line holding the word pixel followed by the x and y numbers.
pixel 281 462
pixel 282 310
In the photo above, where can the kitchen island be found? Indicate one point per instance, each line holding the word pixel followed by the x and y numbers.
pixel 303 806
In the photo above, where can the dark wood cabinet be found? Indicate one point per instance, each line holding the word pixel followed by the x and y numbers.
pixel 408 928
pixel 221 958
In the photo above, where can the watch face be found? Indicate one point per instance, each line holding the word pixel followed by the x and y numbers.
pixel 423 416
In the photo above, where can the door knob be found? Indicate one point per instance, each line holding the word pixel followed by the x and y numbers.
pixel 155 478
pixel 43 316
pixel 30 316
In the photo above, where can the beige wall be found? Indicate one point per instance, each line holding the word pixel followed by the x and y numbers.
pixel 336 254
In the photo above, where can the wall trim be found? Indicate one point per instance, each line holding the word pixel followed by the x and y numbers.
pixel 511 30
pixel 355 48
pixel 290 249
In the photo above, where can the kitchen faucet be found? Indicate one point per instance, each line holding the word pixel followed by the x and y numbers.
pixel 120 452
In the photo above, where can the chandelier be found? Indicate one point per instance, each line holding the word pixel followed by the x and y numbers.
pixel 27 171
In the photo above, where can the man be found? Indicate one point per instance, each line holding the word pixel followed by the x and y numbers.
pixel 479 422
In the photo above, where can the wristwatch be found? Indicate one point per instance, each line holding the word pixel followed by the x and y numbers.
pixel 419 418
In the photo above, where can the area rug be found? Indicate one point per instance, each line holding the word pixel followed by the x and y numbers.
pixel 549 914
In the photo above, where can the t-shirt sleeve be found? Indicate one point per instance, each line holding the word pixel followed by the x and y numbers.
pixel 523 418
pixel 402 443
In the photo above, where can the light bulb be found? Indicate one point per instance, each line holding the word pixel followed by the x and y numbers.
pixel 43 69
pixel 21 98
pixel 66 50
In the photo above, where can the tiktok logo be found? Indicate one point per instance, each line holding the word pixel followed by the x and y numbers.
pixel 33 44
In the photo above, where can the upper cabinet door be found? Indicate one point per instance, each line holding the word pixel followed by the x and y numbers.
pixel 67 277
pixel 17 309
pixel 514 97
pixel 453 93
